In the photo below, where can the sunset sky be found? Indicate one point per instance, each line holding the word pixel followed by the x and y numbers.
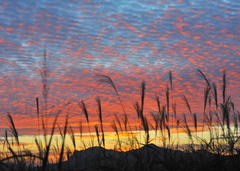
pixel 128 40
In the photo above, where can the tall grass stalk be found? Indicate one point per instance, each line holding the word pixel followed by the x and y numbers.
pixel 220 122
pixel 98 100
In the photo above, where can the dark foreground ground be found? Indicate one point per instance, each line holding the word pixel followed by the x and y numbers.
pixel 148 158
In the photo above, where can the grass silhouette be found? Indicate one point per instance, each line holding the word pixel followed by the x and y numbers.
pixel 220 151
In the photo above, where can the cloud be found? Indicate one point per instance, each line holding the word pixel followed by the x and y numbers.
pixel 130 41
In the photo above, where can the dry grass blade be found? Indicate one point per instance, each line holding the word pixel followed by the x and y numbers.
pixel 84 109
pixel 98 136
pixel 187 103
pixel 48 145
pixel 80 129
pixel 6 139
pixel 222 129
pixel 138 110
pixel 126 123
pixel 163 117
pixel 86 114
pixel 146 130
pixel 13 129
pixel 224 87
pixel 156 118
pixel 186 127
pixel 209 119
pixel 143 85
pixel 61 155
pixel 178 123
pixel 14 155
pixel 225 113
pixel 37 103
pixel 174 108
pixel 98 100
pixel 106 79
pixel 45 90
pixel 72 136
pixel 40 148
pixel 169 132
pixel 215 94
pixel 100 118
pixel 38 113
pixel 158 103
pixel 235 122
pixel 204 77
pixel 206 96
pixel 195 121
pixel 167 100
pixel 119 122
pixel 114 127
pixel 171 80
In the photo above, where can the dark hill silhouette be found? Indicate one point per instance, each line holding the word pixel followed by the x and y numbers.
pixel 148 158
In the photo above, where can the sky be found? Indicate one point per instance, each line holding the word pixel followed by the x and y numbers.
pixel 128 40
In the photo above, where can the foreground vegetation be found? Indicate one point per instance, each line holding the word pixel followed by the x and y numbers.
pixel 219 124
